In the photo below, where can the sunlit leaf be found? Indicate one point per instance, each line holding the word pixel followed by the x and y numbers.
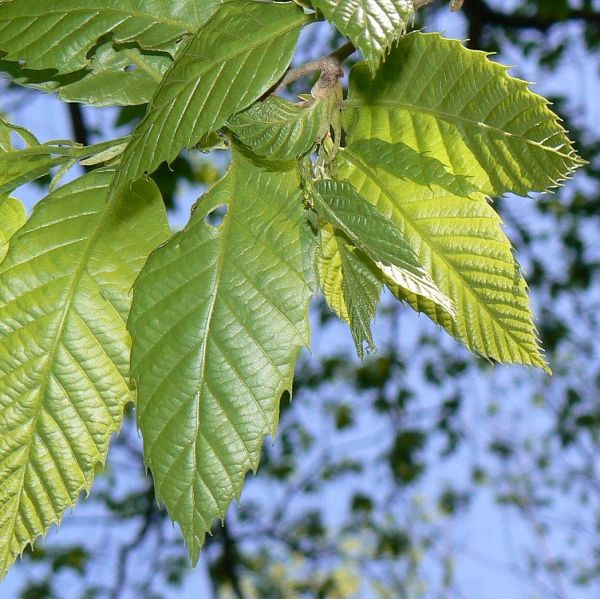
pixel 454 105
pixel 65 292
pixel 372 25
pixel 12 218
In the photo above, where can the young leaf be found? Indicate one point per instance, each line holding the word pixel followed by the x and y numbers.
pixel 59 34
pixel 454 105
pixel 65 292
pixel 21 166
pixel 280 130
pixel 460 242
pixel 372 25
pixel 219 316
pixel 351 285
pixel 12 218
pixel 214 76
pixel 338 203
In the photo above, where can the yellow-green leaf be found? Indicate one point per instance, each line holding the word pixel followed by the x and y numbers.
pixel 65 293
pixel 456 106
pixel 12 218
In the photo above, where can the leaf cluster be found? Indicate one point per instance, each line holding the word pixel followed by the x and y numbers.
pixel 389 188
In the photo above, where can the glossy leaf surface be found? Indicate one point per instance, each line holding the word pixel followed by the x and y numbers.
pixel 219 316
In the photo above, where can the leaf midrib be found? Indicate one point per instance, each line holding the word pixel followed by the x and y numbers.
pixel 102 12
pixel 450 118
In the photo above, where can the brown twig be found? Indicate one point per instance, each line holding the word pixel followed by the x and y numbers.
pixel 328 65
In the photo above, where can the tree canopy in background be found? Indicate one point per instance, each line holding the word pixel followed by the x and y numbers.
pixel 380 466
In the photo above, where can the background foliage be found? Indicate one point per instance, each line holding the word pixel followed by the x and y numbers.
pixel 386 473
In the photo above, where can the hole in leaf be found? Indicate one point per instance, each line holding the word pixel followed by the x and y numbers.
pixel 130 68
pixel 215 217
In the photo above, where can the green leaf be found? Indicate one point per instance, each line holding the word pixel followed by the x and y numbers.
pixel 114 77
pixel 368 229
pixel 456 106
pixel 59 34
pixel 21 166
pixel 219 316
pixel 351 285
pixel 398 158
pixel 214 76
pixel 65 292
pixel 280 130
pixel 372 25
pixel 12 218
pixel 460 242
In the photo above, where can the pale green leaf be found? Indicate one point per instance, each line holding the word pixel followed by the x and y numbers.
pixel 12 218
pixel 372 25
pixel 219 316
pixel 281 130
pixel 460 242
pixel 59 34
pixel 65 292
pixel 351 285
pixel 214 76
pixel 378 236
pixel 456 106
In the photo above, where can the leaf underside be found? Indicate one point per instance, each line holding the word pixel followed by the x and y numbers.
pixel 219 315
pixel 64 349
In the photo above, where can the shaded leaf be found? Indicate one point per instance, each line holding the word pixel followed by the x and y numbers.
pixel 21 166
pixel 280 130
pixel 59 34
pixel 379 237
pixel 399 158
pixel 351 285
pixel 214 76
